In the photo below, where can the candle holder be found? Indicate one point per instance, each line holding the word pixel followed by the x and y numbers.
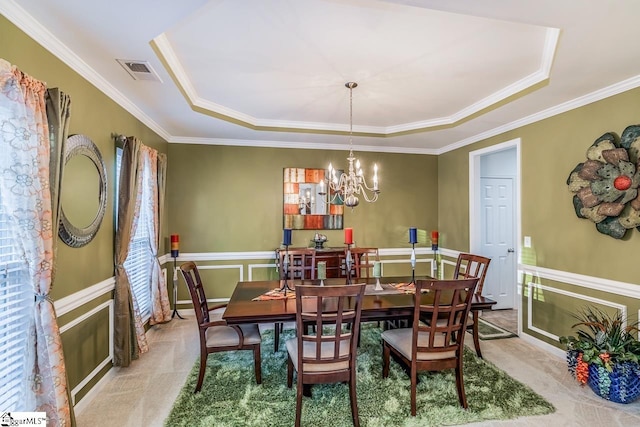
pixel 285 269
pixel 348 262
pixel 413 263
pixel 377 272
pixel 175 290
pixel 175 252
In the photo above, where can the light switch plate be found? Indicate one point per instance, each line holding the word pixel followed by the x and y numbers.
pixel 527 241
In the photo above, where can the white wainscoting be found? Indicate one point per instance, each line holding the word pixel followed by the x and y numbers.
pixel 581 281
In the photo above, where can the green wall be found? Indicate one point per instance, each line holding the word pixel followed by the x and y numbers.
pixel 227 199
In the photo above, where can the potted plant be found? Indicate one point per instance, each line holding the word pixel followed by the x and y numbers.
pixel 604 354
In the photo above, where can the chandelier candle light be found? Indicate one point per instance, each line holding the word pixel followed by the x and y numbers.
pixel 348 186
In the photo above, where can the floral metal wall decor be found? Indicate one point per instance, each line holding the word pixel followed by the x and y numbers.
pixel 605 187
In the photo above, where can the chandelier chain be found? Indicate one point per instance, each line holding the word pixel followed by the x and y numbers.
pixel 350 184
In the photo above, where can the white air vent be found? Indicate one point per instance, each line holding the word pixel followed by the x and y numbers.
pixel 139 70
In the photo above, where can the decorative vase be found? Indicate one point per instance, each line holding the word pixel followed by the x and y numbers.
pixel 621 386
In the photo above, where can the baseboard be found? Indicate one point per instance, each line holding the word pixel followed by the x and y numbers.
pixel 544 346
pixel 91 394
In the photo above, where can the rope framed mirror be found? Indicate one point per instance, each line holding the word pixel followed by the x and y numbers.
pixel 81 212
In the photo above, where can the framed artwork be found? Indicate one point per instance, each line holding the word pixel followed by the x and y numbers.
pixel 304 207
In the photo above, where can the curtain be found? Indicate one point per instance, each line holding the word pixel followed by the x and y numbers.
pixel 58 113
pixel 160 307
pixel 24 183
pixel 129 340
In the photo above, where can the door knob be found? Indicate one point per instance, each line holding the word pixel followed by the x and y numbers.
pixel 510 250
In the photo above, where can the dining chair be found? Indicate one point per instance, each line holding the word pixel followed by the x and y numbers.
pixel 432 346
pixel 467 266
pixel 363 259
pixel 300 265
pixel 215 334
pixel 329 349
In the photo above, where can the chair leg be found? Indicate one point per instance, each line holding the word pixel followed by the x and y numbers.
pixel 386 353
pixel 203 367
pixel 462 397
pixel 289 372
pixel 414 386
pixel 276 337
pixel 476 335
pixel 257 363
pixel 299 392
pixel 354 403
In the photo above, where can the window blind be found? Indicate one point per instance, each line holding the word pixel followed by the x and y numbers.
pixel 16 311
pixel 139 258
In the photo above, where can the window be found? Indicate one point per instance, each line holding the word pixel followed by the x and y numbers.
pixel 16 312
pixel 139 260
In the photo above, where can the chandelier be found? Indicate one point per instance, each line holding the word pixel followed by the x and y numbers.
pixel 349 185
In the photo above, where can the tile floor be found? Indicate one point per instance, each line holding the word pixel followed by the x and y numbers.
pixel 142 395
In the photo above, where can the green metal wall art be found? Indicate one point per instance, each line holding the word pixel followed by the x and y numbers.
pixel 605 187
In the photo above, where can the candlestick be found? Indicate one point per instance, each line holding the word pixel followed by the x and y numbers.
pixel 175 252
pixel 348 262
pixel 285 265
pixel 413 263
pixel 286 238
pixel 413 235
pixel 348 236
pixel 377 272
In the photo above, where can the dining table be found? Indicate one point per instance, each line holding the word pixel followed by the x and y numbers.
pixel 250 302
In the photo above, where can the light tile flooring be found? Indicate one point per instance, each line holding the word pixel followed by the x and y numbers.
pixel 142 395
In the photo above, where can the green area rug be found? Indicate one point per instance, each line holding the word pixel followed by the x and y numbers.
pixel 230 396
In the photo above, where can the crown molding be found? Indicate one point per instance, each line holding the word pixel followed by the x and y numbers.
pixel 299 145
pixel 589 98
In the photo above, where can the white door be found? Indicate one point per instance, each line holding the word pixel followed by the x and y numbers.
pixel 498 239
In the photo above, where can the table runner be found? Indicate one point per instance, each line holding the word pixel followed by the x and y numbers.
pixel 387 289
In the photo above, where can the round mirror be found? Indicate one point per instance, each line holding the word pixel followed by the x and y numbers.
pixel 83 195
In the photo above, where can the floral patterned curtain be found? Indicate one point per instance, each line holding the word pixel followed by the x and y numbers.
pixel 24 183
pixel 160 308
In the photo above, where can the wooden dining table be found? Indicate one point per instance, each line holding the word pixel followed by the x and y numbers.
pixel 376 305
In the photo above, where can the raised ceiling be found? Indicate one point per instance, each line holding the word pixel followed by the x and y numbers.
pixel 432 75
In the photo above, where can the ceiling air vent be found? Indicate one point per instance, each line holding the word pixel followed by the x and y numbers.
pixel 139 70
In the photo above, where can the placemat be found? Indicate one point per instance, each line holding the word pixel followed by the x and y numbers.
pixel 275 294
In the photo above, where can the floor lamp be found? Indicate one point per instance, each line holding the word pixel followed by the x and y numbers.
pixel 175 251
